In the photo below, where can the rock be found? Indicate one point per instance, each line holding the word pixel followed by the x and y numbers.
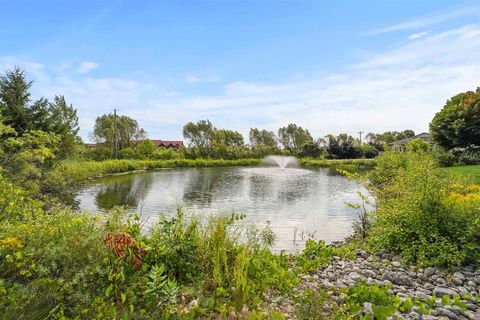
pixel 429 317
pixel 429 271
pixel 472 307
pixel 441 281
pixel 471 315
pixel 367 308
pixel 446 313
pixel 457 282
pixel 440 292
pixel 354 276
pixel 458 275
pixel 398 278
pixel 396 264
pixel 368 273
pixel 463 292
pixel 422 276
pixel 396 258
pixel 414 316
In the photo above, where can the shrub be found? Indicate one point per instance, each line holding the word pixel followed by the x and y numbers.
pixel 415 216
pixel 418 145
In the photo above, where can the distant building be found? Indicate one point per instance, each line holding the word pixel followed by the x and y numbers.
pixel 167 144
pixel 401 145
pixel 158 143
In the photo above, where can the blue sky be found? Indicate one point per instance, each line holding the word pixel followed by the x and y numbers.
pixel 330 66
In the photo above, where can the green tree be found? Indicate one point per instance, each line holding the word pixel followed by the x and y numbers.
pixel 458 123
pixel 145 149
pixel 311 149
pixel 199 134
pixel 229 138
pixel 293 137
pixel 418 145
pixel 127 130
pixel 54 117
pixel 262 138
pixel 14 99
pixel 27 159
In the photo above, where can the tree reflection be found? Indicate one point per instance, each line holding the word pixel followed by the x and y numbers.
pixel 126 191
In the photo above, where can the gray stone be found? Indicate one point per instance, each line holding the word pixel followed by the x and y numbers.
pixel 457 282
pixel 355 276
pixel 447 313
pixel 429 317
pixel 398 278
pixel 396 264
pixel 440 292
pixel 471 306
pixel 463 292
pixel 471 315
pixel 396 258
pixel 441 281
pixel 367 308
pixel 458 275
pixel 430 271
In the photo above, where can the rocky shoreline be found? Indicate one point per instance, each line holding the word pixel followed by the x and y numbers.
pixel 383 268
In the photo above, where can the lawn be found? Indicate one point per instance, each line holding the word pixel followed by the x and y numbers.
pixel 471 172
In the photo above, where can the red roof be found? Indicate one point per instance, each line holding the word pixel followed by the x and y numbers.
pixel 164 143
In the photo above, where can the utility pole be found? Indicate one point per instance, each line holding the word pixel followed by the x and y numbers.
pixel 360 133
pixel 115 136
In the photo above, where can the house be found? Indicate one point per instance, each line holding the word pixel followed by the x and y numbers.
pixel 167 144
pixel 157 143
pixel 401 145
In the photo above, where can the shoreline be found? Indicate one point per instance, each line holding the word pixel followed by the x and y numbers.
pixel 79 171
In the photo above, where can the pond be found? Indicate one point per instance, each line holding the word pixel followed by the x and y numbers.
pixel 297 203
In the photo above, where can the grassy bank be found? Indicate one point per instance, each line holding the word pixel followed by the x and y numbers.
pixel 75 171
pixel 345 164
pixel 472 173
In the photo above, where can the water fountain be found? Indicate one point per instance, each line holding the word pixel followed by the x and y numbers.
pixel 281 161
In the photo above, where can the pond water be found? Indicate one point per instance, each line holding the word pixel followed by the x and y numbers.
pixel 297 203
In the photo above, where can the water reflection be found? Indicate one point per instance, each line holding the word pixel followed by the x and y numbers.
pixel 308 201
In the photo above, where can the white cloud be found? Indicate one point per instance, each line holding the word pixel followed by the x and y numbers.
pixel 86 67
pixel 395 89
pixel 418 35
pixel 430 19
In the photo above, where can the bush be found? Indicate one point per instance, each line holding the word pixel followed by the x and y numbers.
pixel 467 156
pixel 415 215
pixel 63 264
pixel 418 145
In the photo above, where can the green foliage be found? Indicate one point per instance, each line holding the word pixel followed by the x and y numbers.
pixel 418 145
pixel 77 171
pixel 27 159
pixel 311 304
pixel 263 138
pixel 57 117
pixel 145 149
pixel 380 140
pixel 126 129
pixel 416 215
pixel 458 123
pixel 311 149
pixel 293 137
pixel 317 254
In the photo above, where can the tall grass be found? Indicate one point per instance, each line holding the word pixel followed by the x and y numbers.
pixel 75 171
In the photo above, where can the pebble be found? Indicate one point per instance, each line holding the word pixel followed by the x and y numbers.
pixel 383 268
